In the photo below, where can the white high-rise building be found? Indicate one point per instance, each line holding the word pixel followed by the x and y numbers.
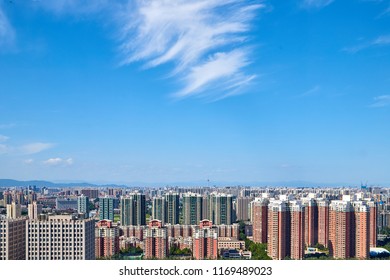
pixel 60 237
pixel 34 210
pixel 14 210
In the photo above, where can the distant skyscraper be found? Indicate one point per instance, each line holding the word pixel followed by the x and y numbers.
pixel 221 208
pixel 205 241
pixel 106 239
pixel 156 240
pixel 34 210
pixel 106 208
pixel 133 209
pixel 192 208
pixel 259 210
pixel 83 205
pixel 91 193
pixel 172 208
pixel 14 210
pixel 159 210
pixel 243 208
pixel 205 207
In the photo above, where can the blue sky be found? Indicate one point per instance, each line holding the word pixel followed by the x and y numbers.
pixel 184 91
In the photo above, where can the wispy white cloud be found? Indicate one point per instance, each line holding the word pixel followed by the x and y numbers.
pixel 381 101
pixel 34 148
pixel 58 161
pixel 314 90
pixel 317 4
pixel 203 40
pixel 28 161
pixel 380 41
pixel 6 31
pixel 3 138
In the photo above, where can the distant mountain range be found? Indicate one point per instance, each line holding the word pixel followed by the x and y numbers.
pixel 41 183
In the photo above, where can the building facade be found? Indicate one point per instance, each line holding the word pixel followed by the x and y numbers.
pixel 259 219
pixel 106 208
pixel 106 239
pixel 13 239
pixel 205 241
pixel 60 237
pixel 192 208
pixel 156 241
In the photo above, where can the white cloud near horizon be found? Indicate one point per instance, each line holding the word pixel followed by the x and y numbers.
pixel 204 40
pixel 34 148
pixel 58 161
pixel 318 4
pixel 381 101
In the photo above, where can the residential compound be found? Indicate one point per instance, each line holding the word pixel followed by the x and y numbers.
pixel 199 223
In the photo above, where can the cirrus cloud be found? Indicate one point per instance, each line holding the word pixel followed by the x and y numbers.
pixel 204 40
pixel 6 30
pixel 318 4
pixel 58 161
pixel 381 101
pixel 34 148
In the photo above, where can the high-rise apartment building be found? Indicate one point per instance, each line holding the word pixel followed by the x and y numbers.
pixel 323 222
pixel 340 240
pixel 205 207
pixel 106 208
pixel 91 193
pixel 221 206
pixel 192 208
pixel 286 224
pixel 106 239
pixel 297 228
pixel 83 205
pixel 159 210
pixel 60 237
pixel 14 210
pixel 34 210
pixel 12 239
pixel 360 235
pixel 311 222
pixel 242 208
pixel 172 208
pixel 373 223
pixel 205 241
pixel 156 241
pixel 259 219
pixel 133 209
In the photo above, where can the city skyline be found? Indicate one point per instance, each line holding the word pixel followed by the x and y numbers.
pixel 190 91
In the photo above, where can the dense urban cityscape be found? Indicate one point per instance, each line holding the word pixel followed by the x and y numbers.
pixel 238 222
